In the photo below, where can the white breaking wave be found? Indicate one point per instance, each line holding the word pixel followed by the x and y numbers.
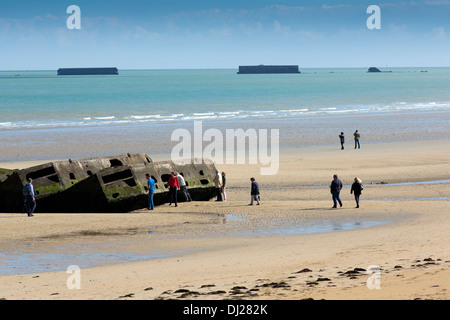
pixel 204 114
pixel 105 118
pixel 395 107
pixel 156 116
pixel 5 124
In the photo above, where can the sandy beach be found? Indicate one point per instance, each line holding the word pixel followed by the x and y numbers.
pixel 291 247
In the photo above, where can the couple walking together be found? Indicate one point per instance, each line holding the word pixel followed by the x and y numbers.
pixel 336 187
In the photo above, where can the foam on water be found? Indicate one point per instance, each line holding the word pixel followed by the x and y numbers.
pixel 41 99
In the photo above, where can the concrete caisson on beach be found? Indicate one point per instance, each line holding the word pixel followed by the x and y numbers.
pixel 103 184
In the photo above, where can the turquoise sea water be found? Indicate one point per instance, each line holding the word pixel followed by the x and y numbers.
pixel 44 116
pixel 44 100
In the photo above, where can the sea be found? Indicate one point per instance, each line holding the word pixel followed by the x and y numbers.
pixel 310 108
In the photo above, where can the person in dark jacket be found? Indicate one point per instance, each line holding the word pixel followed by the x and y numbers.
pixel 335 189
pixel 254 192
pixel 357 189
pixel 342 138
pixel 30 200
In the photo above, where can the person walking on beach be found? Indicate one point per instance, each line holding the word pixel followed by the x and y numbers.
pixel 218 184
pixel 151 191
pixel 173 189
pixel 30 200
pixel 335 188
pixel 224 182
pixel 357 136
pixel 357 189
pixel 342 138
pixel 183 188
pixel 254 193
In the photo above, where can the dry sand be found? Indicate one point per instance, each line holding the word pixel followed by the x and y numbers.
pixel 222 252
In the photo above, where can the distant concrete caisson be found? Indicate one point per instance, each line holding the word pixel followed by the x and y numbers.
pixel 87 71
pixel 261 69
pixel 373 69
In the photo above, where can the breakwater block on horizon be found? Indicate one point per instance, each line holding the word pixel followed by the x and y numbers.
pixel 274 69
pixel 104 184
pixel 87 71
pixel 375 70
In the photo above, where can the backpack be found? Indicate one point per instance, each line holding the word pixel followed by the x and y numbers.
pixel 26 190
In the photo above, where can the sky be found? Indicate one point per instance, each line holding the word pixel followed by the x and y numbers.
pixel 194 34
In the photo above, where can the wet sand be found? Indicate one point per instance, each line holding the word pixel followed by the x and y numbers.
pixel 230 250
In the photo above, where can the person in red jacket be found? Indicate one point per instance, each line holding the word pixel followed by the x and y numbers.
pixel 173 188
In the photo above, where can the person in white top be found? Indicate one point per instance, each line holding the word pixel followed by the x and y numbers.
pixel 183 188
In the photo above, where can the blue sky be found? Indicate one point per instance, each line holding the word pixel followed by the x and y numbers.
pixel 149 34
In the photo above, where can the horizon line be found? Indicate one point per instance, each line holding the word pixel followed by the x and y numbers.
pixel 216 68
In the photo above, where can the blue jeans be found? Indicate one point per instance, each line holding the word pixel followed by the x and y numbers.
pixel 357 144
pixel 336 199
pixel 31 205
pixel 151 205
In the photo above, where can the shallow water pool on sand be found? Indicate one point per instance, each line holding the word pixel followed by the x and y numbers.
pixel 382 184
pixel 31 259
pixel 34 262
pixel 315 226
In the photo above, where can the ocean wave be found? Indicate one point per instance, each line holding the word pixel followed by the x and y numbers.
pixel 105 118
pixel 95 120
pixel 294 110
pixel 230 113
pixel 203 114
pixel 5 124
pixel 155 116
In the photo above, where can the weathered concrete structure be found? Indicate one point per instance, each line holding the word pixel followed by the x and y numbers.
pixel 106 184
pixel 87 71
pixel 373 69
pixel 261 69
